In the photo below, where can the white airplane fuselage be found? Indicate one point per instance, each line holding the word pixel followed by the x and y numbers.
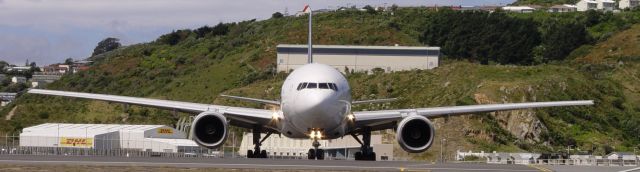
pixel 315 97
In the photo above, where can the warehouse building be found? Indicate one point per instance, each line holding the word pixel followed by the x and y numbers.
pixel 343 148
pixel 359 58
pixel 150 138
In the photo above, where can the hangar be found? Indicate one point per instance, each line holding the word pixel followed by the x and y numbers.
pixel 359 58
pixel 149 138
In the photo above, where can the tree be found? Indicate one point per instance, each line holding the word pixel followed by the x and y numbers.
pixel 68 61
pixel 106 45
pixel 369 9
pixel 277 15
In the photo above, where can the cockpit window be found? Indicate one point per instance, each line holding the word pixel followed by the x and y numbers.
pixel 312 85
pixel 299 87
pixel 323 86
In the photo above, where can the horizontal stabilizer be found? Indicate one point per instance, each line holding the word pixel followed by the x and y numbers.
pixel 373 101
pixel 270 102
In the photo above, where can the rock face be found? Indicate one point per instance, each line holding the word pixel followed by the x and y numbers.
pixel 523 124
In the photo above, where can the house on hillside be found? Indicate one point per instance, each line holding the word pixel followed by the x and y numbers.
pixel 18 79
pixel 622 158
pixel 519 9
pixel 606 5
pixel 584 5
pixel 624 4
pixel 562 8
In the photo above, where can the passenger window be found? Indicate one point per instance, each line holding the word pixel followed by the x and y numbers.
pixel 312 85
pixel 323 86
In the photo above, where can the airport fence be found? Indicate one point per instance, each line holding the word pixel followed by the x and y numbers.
pixel 10 144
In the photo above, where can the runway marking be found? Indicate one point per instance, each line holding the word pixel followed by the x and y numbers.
pixel 254 165
pixel 629 170
pixel 540 168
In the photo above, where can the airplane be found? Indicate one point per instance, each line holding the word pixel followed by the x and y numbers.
pixel 315 104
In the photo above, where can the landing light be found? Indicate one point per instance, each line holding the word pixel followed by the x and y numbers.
pixel 275 116
pixel 351 117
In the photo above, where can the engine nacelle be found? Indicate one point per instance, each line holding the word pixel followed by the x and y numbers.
pixel 209 129
pixel 415 133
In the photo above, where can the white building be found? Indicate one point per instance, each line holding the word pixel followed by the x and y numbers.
pixel 501 158
pixel 18 79
pixel 359 58
pixel 18 68
pixel 151 138
pixel 562 8
pixel 623 4
pixel 343 148
pixel 584 5
pixel 39 81
pixel 604 5
pixel 518 9
pixel 6 98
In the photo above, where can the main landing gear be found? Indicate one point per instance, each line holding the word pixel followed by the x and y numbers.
pixel 316 153
pixel 256 152
pixel 366 151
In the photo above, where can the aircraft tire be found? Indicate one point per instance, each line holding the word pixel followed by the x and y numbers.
pixel 320 154
pixel 263 154
pixel 358 156
pixel 311 154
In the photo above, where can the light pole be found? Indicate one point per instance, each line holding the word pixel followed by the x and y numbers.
pixel 442 149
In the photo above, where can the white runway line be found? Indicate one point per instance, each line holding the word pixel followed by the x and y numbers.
pixel 630 170
pixel 212 165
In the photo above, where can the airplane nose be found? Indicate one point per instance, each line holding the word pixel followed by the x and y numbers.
pixel 312 102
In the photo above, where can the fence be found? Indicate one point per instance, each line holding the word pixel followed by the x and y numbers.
pixel 10 144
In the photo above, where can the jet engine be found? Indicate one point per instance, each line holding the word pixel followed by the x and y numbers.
pixel 209 129
pixel 415 133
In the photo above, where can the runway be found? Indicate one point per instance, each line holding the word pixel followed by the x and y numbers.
pixel 243 163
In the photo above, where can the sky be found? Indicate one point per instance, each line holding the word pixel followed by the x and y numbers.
pixel 50 31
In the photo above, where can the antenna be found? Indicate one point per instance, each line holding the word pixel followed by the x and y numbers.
pixel 310 51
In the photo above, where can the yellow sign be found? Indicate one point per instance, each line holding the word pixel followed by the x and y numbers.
pixel 76 142
pixel 165 131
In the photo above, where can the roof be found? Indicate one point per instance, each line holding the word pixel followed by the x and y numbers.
pixel 357 47
pixel 517 8
pixel 622 153
pixel 175 142
pixel 82 130
pixel 562 6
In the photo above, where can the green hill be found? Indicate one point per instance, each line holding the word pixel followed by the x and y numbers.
pixel 239 58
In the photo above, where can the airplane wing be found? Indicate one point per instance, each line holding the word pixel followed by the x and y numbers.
pixel 239 116
pixel 373 101
pixel 381 119
pixel 248 99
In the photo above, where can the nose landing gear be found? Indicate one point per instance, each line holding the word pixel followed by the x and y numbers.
pixel 316 153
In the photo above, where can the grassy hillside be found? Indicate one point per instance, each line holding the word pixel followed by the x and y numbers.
pixel 197 68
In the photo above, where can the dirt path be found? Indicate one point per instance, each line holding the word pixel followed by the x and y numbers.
pixel 11 113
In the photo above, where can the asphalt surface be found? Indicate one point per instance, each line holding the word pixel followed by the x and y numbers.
pixel 242 163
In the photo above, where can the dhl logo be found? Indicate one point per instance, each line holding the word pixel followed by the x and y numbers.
pixel 76 142
pixel 165 131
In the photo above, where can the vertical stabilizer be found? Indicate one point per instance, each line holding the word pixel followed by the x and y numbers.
pixel 307 9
